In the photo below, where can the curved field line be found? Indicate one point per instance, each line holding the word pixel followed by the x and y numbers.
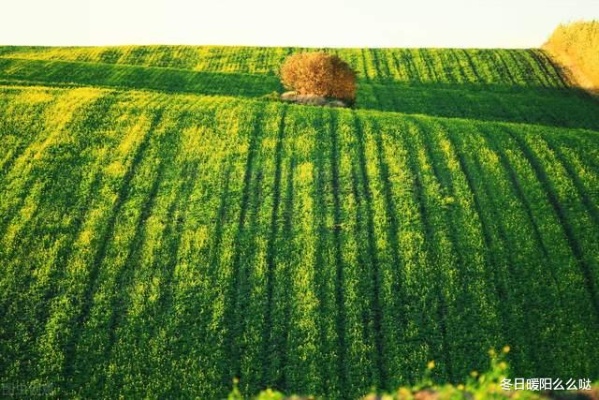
pixel 223 206
pixel 365 66
pixel 327 333
pixel 25 140
pixel 404 61
pixel 442 348
pixel 42 148
pixel 163 261
pixel 520 195
pixel 571 236
pixel 131 77
pixel 82 211
pixel 392 234
pixel 542 58
pixel 298 342
pixel 272 287
pixel 47 288
pixel 358 310
pixel 518 69
pixel 380 380
pixel 64 306
pixel 467 271
pixel 340 322
pixel 472 65
pixel 506 70
pixel 530 73
pixel 431 75
pixel 216 249
pixel 57 274
pixel 591 207
pixel 517 186
pixel 578 215
pixel 404 260
pixel 390 66
pixel 425 144
pixel 237 300
pixel 538 66
pixel 484 199
pixel 269 350
pixel 115 273
pixel 87 300
pixel 450 71
pixel 252 271
pixel 175 229
pixel 553 282
pixel 460 183
pixel 377 65
pixel 282 345
pixel 453 56
pixel 504 237
pixel 198 302
pixel 555 77
pixel 124 275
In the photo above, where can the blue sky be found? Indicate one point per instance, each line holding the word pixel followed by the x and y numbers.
pixel 311 23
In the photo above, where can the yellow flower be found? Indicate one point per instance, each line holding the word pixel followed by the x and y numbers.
pixel 431 364
pixel 474 374
pixel 492 352
pixel 506 349
pixel 460 387
pixel 503 365
pixel 404 394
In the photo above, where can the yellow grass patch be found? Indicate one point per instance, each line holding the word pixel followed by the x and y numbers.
pixel 574 46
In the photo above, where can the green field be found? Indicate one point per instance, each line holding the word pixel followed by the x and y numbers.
pixel 164 229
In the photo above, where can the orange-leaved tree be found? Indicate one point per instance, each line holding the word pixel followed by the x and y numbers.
pixel 320 74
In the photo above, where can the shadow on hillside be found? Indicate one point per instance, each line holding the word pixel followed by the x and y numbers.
pixel 69 73
pixel 567 107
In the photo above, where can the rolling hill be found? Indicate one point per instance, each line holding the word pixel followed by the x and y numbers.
pixel 165 228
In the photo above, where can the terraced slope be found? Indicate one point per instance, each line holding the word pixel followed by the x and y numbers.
pixel 497 85
pixel 525 68
pixel 156 244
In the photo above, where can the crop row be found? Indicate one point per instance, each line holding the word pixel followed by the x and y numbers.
pixel 547 106
pixel 566 108
pixel 519 68
pixel 69 73
pixel 157 245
